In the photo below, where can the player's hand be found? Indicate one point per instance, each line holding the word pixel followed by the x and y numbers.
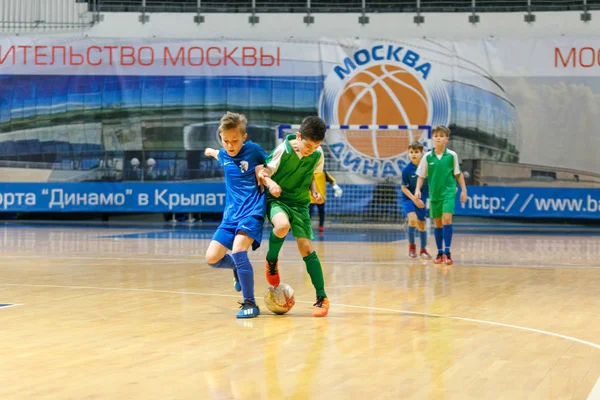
pixel 275 190
pixel 463 197
pixel 318 197
pixel 337 191
pixel 419 203
pixel 417 193
pixel 208 152
pixel 263 173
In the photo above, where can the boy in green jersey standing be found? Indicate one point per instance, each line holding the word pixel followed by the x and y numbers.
pixel 289 177
pixel 441 169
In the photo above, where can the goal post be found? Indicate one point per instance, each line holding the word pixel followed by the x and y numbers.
pixel 366 161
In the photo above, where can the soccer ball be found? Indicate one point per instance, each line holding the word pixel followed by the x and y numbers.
pixel 280 299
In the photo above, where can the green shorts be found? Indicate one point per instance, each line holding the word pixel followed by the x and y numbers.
pixel 438 207
pixel 299 218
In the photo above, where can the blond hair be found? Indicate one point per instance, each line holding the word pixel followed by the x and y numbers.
pixel 231 121
pixel 440 128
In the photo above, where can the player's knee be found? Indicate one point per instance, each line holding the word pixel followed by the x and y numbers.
pixel 447 219
pixel 239 247
pixel 412 219
pixel 211 258
pixel 281 229
pixel 421 225
pixel 437 222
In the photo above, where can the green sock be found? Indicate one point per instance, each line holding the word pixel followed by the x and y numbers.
pixel 275 245
pixel 313 267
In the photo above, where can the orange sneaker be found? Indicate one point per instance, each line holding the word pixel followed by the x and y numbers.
pixel 272 273
pixel 439 259
pixel 321 307
pixel 447 259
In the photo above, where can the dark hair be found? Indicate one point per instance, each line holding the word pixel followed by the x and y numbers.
pixel 313 129
pixel 416 146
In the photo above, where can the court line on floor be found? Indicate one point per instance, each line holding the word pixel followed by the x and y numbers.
pixel 10 305
pixel 200 258
pixel 479 321
pixel 595 393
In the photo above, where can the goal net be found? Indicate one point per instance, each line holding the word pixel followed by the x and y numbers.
pixel 366 161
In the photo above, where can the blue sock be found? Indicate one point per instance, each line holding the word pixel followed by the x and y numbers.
pixel 439 238
pixel 225 262
pixel 411 235
pixel 447 238
pixel 423 235
pixel 246 274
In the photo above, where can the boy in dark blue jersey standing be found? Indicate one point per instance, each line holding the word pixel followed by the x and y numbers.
pixel 414 208
pixel 245 208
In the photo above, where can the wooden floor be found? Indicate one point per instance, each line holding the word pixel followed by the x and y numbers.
pixel 135 313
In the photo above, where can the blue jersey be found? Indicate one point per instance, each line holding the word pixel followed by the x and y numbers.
pixel 409 179
pixel 243 198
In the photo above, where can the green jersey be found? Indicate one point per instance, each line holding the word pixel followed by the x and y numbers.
pixel 293 172
pixel 440 172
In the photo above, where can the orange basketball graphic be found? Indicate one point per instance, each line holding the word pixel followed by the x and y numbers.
pixel 382 95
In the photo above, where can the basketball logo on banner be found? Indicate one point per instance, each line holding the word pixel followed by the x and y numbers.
pixel 381 86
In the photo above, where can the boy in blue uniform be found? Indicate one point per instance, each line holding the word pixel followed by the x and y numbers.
pixel 245 208
pixel 414 208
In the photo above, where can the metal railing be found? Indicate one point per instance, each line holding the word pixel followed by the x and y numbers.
pixel 40 15
pixel 46 14
pixel 341 6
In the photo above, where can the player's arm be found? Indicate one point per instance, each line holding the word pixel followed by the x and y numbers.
pixel 460 178
pixel 320 167
pixel 264 178
pixel 422 173
pixel 337 191
pixel 408 193
pixel 271 166
pixel 274 159
pixel 315 192
pixel 208 152
pixel 404 187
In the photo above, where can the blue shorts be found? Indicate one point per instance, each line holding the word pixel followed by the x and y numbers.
pixel 251 226
pixel 409 207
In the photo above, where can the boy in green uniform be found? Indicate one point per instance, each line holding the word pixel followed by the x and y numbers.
pixel 289 177
pixel 441 169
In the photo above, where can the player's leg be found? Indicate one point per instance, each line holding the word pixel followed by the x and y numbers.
pixel 279 216
pixel 241 244
pixel 410 211
pixel 435 212
pixel 321 208
pixel 216 254
pixel 448 231
pixel 302 231
pixel 412 227
pixel 420 214
pixel 315 271
pixel 447 212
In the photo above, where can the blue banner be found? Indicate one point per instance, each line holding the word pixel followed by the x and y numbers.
pixel 505 201
pixel 484 201
pixel 112 197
